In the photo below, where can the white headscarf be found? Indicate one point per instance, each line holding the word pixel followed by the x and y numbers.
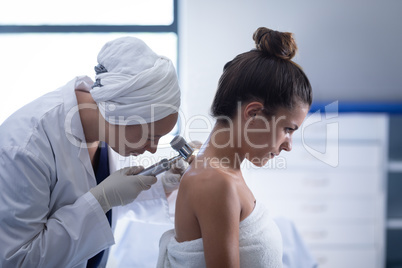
pixel 133 84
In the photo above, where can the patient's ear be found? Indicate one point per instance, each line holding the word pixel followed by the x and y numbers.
pixel 252 110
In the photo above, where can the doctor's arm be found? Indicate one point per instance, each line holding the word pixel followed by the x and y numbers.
pixel 31 235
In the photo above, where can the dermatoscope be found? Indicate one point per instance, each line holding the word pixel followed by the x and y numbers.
pixel 181 146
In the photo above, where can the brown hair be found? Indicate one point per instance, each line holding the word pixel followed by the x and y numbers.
pixel 265 74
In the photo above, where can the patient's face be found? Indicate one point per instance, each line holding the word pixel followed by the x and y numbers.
pixel 269 135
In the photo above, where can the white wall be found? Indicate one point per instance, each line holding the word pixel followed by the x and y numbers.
pixel 349 49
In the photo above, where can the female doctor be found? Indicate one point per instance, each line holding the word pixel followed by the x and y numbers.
pixel 55 186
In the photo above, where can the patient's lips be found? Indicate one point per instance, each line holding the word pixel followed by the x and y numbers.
pixel 272 155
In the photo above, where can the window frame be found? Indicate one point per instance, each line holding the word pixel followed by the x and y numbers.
pixel 99 28
pixel 104 28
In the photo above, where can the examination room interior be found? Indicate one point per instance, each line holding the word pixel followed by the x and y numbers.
pixel 342 183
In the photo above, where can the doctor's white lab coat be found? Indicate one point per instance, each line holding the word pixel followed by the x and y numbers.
pixel 47 216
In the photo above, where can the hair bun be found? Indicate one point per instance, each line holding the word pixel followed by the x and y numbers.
pixel 274 43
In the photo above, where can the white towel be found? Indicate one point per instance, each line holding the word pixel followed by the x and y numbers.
pixel 137 86
pixel 260 245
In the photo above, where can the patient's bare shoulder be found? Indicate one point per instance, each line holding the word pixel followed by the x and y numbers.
pixel 209 187
pixel 207 199
pixel 208 179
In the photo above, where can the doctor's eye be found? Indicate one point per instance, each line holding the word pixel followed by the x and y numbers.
pixel 153 139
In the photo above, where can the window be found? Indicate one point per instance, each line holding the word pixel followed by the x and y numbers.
pixel 45 44
pixel 90 12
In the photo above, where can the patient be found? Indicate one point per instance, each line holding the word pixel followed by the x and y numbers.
pixel 262 98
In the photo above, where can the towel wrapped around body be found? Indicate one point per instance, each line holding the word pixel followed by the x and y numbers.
pixel 260 245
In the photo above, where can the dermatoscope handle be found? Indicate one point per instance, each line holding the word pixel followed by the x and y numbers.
pixel 157 168
pixel 180 145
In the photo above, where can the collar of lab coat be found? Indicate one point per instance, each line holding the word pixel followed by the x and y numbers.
pixel 72 124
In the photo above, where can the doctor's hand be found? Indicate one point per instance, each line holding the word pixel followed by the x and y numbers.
pixel 121 187
pixel 171 178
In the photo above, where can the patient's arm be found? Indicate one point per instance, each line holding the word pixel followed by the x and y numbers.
pixel 217 208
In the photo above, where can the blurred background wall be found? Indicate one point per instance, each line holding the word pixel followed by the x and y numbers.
pixel 350 50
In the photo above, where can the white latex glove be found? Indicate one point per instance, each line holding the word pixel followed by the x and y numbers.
pixel 121 187
pixel 171 178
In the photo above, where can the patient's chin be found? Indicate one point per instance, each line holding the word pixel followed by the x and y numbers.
pixel 259 162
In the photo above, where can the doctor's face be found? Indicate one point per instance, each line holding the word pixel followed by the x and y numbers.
pixel 134 140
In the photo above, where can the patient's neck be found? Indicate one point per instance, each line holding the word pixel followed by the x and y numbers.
pixel 223 147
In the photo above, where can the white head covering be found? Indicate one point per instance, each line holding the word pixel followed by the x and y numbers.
pixel 133 84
